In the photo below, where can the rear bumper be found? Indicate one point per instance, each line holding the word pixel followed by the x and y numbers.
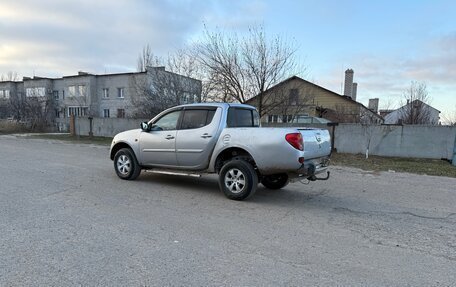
pixel 313 167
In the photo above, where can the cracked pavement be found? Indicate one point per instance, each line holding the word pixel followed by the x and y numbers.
pixel 66 220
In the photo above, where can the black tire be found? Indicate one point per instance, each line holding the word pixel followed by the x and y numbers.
pixel 126 165
pixel 238 180
pixel 275 181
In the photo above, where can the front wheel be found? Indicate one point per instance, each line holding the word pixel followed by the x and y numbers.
pixel 126 165
pixel 238 180
pixel 275 181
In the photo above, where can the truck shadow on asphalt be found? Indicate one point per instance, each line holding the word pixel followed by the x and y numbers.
pixel 294 199
pixel 208 186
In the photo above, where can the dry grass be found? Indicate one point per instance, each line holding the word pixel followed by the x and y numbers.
pixel 8 127
pixel 411 165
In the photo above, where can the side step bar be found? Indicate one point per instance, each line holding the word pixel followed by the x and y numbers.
pixel 173 173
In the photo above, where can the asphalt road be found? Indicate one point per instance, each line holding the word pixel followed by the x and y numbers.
pixel 67 220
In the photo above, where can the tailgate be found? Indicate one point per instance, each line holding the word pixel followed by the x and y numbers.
pixel 317 143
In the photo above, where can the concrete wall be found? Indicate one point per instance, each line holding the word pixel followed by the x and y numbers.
pixel 103 127
pixel 402 141
pixel 434 142
pixel 106 127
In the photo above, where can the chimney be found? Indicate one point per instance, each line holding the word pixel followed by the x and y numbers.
pixel 348 83
pixel 373 105
pixel 354 91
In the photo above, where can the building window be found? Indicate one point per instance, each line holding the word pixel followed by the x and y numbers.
pixel 120 93
pixel 78 111
pixel 106 113
pixel 303 119
pixel 35 92
pixel 273 119
pixel 77 91
pixel 57 113
pixel 82 91
pixel 185 99
pixel 55 94
pixel 72 91
pixel 120 113
pixel 4 94
pixel 63 94
pixel 105 93
pixel 287 118
pixel 293 97
pixel 189 99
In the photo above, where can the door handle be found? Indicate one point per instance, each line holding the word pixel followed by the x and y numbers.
pixel 206 135
pixel 169 137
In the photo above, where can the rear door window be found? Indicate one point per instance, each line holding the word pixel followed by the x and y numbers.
pixel 194 119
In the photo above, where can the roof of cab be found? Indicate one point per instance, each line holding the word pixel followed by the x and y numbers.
pixel 226 105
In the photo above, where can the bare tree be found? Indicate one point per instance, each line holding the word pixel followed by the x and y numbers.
pixel 5 99
pixel 10 76
pixel 288 100
pixel 450 118
pixel 147 59
pixel 415 109
pixel 184 62
pixel 243 67
pixel 159 89
pixel 38 109
pixel 16 107
pixel 369 121
pixel 387 104
pixel 341 114
pixel 369 117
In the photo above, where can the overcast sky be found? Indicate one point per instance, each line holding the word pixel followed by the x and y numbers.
pixel 387 43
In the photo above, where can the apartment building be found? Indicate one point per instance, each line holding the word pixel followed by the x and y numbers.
pixel 107 95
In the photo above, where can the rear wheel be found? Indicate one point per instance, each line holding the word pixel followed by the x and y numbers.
pixel 126 165
pixel 238 180
pixel 275 181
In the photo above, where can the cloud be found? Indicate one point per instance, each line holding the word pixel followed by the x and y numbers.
pixel 241 15
pixel 387 75
pixel 437 64
pixel 53 37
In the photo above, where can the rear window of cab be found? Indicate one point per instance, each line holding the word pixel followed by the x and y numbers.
pixel 242 118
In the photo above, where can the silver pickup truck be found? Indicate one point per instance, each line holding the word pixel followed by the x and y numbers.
pixel 226 139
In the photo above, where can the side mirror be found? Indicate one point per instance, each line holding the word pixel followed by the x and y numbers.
pixel 145 126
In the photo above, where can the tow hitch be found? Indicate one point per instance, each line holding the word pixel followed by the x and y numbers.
pixel 314 178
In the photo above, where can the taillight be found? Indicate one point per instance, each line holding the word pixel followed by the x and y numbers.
pixel 295 139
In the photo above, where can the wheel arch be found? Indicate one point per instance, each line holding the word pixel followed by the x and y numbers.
pixel 117 147
pixel 230 153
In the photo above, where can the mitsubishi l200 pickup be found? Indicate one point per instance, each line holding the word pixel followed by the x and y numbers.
pixel 225 139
